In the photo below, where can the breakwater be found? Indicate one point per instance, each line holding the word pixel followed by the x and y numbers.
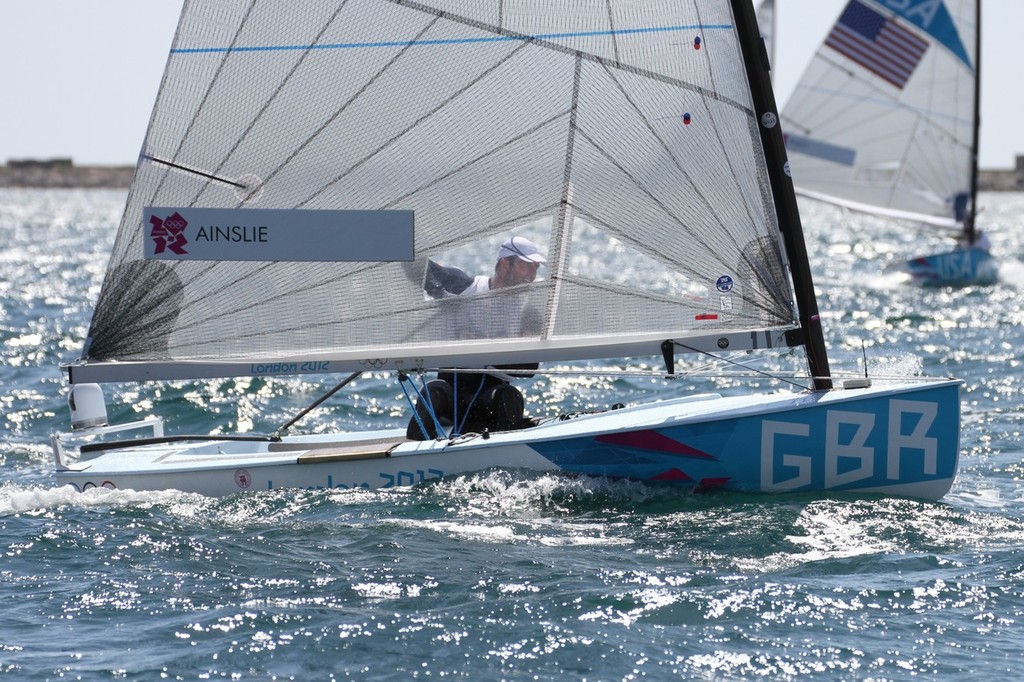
pixel 58 173
pixel 62 173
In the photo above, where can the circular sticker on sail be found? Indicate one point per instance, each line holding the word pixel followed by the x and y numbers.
pixel 768 119
pixel 724 284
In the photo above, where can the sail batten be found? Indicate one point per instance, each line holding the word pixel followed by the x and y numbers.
pixel 625 150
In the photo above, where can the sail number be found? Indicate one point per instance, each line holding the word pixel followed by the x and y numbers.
pixel 848 455
pixel 954 266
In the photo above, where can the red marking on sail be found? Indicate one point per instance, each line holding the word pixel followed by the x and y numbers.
pixel 671 475
pixel 651 440
pixel 706 316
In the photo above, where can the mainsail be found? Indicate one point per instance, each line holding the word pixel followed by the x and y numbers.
pixel 620 138
pixel 884 118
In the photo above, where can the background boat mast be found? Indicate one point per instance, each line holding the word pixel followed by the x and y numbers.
pixel 969 230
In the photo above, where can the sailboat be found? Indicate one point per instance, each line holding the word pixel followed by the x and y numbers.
pixel 885 121
pixel 307 166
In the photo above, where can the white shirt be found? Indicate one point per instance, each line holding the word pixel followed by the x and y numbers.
pixel 482 313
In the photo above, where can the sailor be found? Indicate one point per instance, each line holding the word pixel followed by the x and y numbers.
pixel 980 242
pixel 517 263
pixel 485 400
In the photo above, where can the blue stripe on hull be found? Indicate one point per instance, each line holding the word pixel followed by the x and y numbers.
pixel 903 443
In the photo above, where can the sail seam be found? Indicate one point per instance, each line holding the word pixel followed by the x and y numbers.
pixel 756 302
pixel 188 131
pixel 543 41
pixel 480 157
pixel 611 27
pixel 503 35
pixel 766 203
pixel 373 79
pixel 134 237
pixel 206 96
pixel 675 161
pixel 273 97
pixel 562 230
pixel 420 120
pixel 211 268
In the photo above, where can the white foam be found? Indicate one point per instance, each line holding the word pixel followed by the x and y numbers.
pixel 16 499
pixel 1012 272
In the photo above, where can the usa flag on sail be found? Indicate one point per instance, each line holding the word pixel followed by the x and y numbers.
pixel 877 43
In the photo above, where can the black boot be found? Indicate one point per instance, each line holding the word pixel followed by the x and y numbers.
pixel 439 395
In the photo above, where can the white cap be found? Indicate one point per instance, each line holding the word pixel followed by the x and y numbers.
pixel 523 248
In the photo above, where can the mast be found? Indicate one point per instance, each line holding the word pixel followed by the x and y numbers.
pixel 969 231
pixel 783 195
pixel 768 8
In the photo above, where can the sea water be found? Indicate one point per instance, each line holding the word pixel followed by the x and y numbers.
pixel 510 575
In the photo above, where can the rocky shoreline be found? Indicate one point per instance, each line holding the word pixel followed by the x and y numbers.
pixel 62 173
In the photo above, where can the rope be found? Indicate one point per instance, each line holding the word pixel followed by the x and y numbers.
pixel 316 403
pixel 469 407
pixel 425 400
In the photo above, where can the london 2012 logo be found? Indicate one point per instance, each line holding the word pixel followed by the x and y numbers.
pixel 169 233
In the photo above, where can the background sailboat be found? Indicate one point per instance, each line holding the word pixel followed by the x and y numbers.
pixel 637 145
pixel 885 120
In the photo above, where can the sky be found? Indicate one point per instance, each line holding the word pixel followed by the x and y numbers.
pixel 79 77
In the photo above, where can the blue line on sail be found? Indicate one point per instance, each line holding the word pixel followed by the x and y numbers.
pixel 451 41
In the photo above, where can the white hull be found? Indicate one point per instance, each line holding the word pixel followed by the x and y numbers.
pixel 900 440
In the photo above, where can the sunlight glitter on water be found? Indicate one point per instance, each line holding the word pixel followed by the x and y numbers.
pixel 512 575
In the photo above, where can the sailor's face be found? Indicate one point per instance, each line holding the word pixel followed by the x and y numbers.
pixel 510 272
pixel 523 272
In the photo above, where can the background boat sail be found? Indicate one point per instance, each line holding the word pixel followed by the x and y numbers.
pixel 885 120
pixel 637 143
